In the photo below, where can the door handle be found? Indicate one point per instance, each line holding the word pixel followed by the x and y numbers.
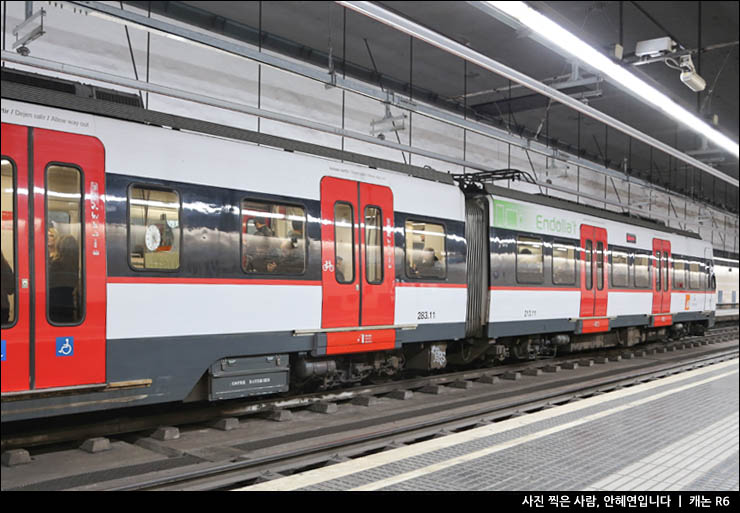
pixel 357 287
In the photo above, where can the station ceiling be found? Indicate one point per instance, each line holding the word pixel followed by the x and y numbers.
pixel 378 54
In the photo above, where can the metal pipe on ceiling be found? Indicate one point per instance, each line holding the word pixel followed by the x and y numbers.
pixel 448 45
pixel 186 35
pixel 180 94
pixel 198 38
pixel 275 116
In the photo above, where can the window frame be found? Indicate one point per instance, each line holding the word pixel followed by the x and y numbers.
pixel 516 260
pixel 83 249
pixel 666 271
pixel 180 216
pixel 601 277
pixel 626 254
pixel 691 274
pixel 405 249
pixel 648 258
pixel 588 262
pixel 241 241
pixel 575 261
pixel 683 262
pixel 352 230
pixel 382 246
pixel 14 170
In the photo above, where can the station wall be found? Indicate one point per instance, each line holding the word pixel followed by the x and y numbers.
pixel 102 45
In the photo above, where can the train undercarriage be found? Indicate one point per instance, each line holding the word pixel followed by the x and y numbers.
pixel 330 372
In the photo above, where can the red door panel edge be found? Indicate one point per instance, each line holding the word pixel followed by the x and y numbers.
pixel 378 300
pixel 601 295
pixel 15 361
pixel 340 301
pixel 83 360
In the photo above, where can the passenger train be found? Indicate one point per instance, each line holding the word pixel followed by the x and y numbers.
pixel 152 258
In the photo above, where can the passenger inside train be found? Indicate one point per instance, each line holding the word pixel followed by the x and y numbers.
pixel 273 238
pixel 64 247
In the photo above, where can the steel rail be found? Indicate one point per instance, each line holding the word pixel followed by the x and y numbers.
pixel 116 426
pixel 235 471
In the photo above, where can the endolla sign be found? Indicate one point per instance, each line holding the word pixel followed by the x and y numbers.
pixel 518 216
pixel 553 224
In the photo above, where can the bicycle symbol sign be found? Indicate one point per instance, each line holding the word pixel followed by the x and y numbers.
pixel 328 266
pixel 65 346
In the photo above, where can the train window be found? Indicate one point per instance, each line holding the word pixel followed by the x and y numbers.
pixel 154 228
pixel 425 250
pixel 9 281
pixel 600 265
pixel 529 260
pixel 64 222
pixel 589 265
pixel 642 271
pixel 620 269
pixel 273 238
pixel 563 264
pixel 344 240
pixel 695 276
pixel 373 245
pixel 666 263
pixel 679 274
pixel 657 273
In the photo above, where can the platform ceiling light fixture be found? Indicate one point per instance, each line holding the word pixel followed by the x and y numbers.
pixel 566 41
pixel 446 44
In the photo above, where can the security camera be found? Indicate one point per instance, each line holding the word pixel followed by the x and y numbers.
pixel 689 76
pixel 693 81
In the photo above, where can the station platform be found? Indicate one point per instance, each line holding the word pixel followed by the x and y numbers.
pixel 679 433
pixel 726 314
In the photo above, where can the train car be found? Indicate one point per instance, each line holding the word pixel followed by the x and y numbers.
pixel 152 258
pixel 568 276
pixel 153 265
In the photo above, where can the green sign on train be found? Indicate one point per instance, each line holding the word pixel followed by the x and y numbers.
pixel 518 216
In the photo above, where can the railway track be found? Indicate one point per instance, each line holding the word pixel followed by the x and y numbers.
pixel 388 436
pixel 80 427
pixel 449 403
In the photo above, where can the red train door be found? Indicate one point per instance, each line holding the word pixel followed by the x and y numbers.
pixel 61 297
pixel 594 283
pixel 358 267
pixel 661 276
pixel 16 348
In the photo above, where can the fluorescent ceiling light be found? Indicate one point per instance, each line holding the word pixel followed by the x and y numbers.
pixel 558 36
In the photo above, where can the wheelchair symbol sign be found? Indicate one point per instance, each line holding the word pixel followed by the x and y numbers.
pixel 65 346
